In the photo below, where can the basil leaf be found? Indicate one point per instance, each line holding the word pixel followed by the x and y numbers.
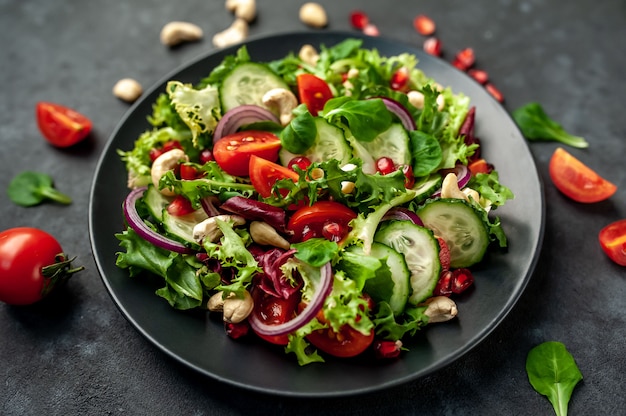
pixel 299 135
pixel 552 372
pixel 426 153
pixel 366 119
pixel 316 251
pixel 535 124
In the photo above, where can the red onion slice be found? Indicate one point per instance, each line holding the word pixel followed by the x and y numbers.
pixel 402 214
pixel 399 110
pixel 463 175
pixel 309 312
pixel 240 116
pixel 209 205
pixel 136 223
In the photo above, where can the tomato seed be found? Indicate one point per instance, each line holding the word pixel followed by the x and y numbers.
pixel 424 25
pixel 432 46
pixel 359 20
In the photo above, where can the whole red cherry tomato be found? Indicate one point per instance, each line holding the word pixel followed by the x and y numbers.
pixel 32 264
pixel 61 126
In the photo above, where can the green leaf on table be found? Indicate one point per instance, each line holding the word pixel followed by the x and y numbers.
pixel 32 188
pixel 536 125
pixel 552 372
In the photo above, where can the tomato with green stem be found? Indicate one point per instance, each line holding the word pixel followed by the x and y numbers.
pixel 233 152
pixel 33 264
pixel 61 126
pixel 314 92
pixel 576 180
pixel 613 241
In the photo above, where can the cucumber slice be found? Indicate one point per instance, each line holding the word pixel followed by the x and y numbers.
pixel 392 143
pixel 427 187
pixel 330 143
pixel 247 83
pixel 460 225
pixel 181 227
pixel 156 202
pixel 400 277
pixel 421 254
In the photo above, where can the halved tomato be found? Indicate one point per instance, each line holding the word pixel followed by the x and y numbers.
pixel 328 219
pixel 347 343
pixel 264 174
pixel 576 180
pixel 613 241
pixel 233 152
pixel 314 92
pixel 61 126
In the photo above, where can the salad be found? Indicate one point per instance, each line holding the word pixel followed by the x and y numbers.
pixel 330 202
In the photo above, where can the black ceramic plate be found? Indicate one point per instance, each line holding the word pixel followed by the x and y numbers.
pixel 198 341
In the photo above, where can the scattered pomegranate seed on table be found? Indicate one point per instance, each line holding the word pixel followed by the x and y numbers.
pixel 464 59
pixel 491 89
pixel 371 30
pixel 479 75
pixel 424 25
pixel 432 46
pixel 359 19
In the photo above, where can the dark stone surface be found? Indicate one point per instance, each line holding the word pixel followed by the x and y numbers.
pixel 75 354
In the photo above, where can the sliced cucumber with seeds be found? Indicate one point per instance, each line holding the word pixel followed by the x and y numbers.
pixel 421 254
pixel 427 187
pixel 247 83
pixel 156 202
pixel 399 276
pixel 330 143
pixel 460 225
pixel 392 143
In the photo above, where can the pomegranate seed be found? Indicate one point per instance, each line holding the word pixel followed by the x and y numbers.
pixel 491 89
pixel 400 80
pixel 386 349
pixel 206 156
pixel 464 59
pixel 385 165
pixel 238 330
pixel 424 25
pixel 155 153
pixel 479 75
pixel 371 30
pixel 171 144
pixel 359 20
pixel 333 231
pixel 443 287
pixel 432 46
pixel 461 280
pixel 302 162
pixel 408 174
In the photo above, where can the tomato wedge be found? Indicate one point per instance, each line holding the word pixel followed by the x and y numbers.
pixel 272 310
pixel 576 180
pixel 61 126
pixel 313 91
pixel 264 174
pixel 328 219
pixel 347 343
pixel 233 152
pixel 613 241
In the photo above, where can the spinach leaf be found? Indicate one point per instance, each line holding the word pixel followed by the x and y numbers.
pixel 426 154
pixel 535 124
pixel 299 135
pixel 552 372
pixel 32 188
pixel 316 251
pixel 366 119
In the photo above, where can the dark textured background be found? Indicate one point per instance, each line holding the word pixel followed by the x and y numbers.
pixel 75 354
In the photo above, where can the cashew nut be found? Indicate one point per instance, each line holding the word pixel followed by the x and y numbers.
pixel 163 164
pixel 450 188
pixel 127 89
pixel 440 309
pixel 308 54
pixel 237 309
pixel 209 230
pixel 352 73
pixel 236 33
pixel 416 99
pixel 174 33
pixel 283 102
pixel 243 9
pixel 264 234
pixel 216 302
pixel 313 14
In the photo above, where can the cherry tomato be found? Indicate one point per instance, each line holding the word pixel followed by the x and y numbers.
pixel 264 174
pixel 30 258
pixel 155 152
pixel 61 126
pixel 232 153
pixel 189 172
pixel 272 310
pixel 576 180
pixel 328 219
pixel 613 241
pixel 313 91
pixel 180 206
pixel 347 343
